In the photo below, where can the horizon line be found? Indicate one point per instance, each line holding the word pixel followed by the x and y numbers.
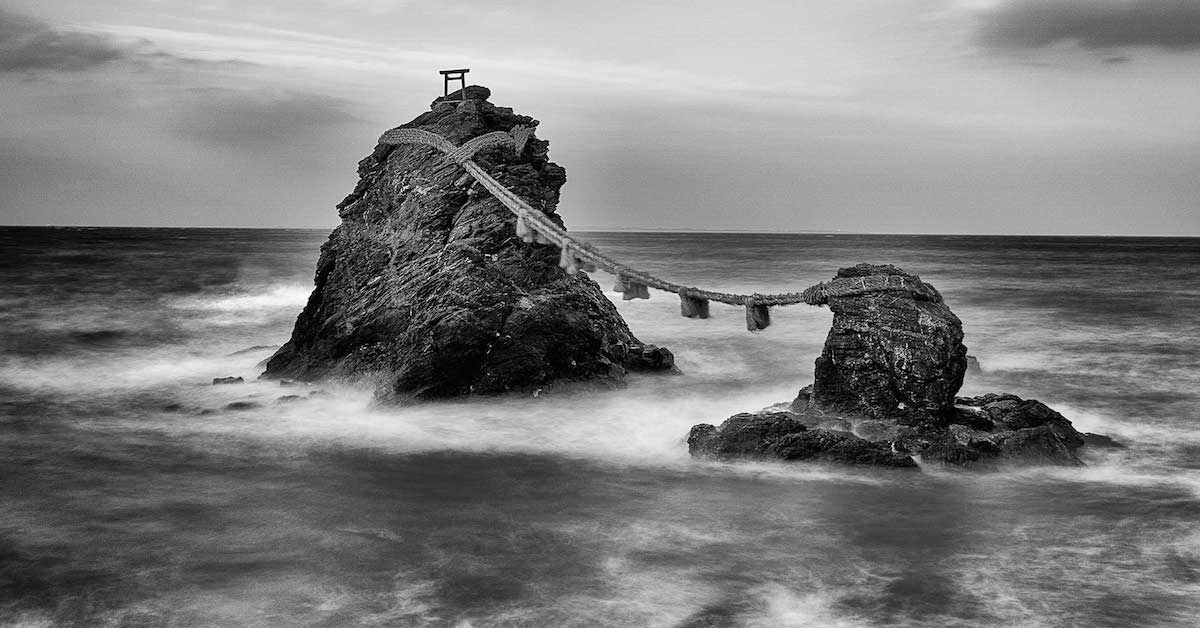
pixel 679 230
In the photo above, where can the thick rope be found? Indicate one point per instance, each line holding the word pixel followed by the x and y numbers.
pixel 536 223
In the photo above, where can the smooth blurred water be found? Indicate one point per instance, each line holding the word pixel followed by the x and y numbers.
pixel 130 495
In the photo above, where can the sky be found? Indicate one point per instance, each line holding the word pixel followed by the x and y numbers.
pixel 882 116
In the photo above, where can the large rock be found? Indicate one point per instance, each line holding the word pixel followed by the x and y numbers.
pixel 425 289
pixel 885 390
pixel 895 349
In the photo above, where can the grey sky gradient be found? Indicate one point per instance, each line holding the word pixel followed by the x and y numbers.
pixel 979 116
pixel 1101 24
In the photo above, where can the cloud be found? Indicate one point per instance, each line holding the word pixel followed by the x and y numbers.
pixel 248 120
pixel 29 44
pixel 1092 24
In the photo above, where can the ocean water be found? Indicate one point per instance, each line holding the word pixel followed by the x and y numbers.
pixel 132 494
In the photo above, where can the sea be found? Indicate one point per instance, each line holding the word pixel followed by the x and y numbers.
pixel 134 492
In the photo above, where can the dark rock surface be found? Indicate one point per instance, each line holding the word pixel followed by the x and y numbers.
pixel 885 391
pixel 784 435
pixel 227 380
pixel 893 351
pixel 425 290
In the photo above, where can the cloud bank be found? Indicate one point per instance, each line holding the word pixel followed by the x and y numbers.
pixel 1092 24
pixel 28 44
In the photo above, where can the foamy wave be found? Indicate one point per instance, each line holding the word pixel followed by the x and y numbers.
pixel 278 296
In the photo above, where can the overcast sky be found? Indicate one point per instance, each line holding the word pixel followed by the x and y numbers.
pixel 907 116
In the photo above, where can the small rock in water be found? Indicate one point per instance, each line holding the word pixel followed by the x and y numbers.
pixel 1101 441
pixel 885 391
pixel 242 405
pixel 288 398
pixel 227 380
pixel 973 365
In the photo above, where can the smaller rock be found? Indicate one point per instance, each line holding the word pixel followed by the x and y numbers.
pixel 288 398
pixel 227 380
pixel 650 358
pixel 973 365
pixel 743 434
pixel 1101 441
pixel 172 407
pixel 783 435
pixel 242 405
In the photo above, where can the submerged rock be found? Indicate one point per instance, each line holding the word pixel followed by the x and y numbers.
pixel 227 380
pixel 885 391
pixel 425 289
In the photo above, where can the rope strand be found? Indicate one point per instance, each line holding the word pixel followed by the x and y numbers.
pixel 539 223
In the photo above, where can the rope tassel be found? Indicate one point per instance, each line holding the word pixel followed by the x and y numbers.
pixel 758 316
pixel 631 289
pixel 567 260
pixel 523 230
pixel 636 291
pixel 692 306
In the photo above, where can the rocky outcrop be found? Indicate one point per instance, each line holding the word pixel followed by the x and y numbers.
pixel 895 349
pixel 885 391
pixel 425 289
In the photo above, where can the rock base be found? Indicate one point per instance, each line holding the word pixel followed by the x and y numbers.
pixel 990 430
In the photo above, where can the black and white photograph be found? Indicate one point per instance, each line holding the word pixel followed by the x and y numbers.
pixel 509 313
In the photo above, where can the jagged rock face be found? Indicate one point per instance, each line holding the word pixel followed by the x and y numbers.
pixel 425 288
pixel 895 350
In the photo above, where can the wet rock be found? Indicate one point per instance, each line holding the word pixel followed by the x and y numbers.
pixel 894 350
pixel 973 366
pixel 288 398
pixel 242 405
pixel 227 380
pixel 743 434
pixel 1100 441
pixel 885 391
pixel 783 435
pixel 424 290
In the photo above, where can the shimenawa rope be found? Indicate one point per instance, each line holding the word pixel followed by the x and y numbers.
pixel 534 226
